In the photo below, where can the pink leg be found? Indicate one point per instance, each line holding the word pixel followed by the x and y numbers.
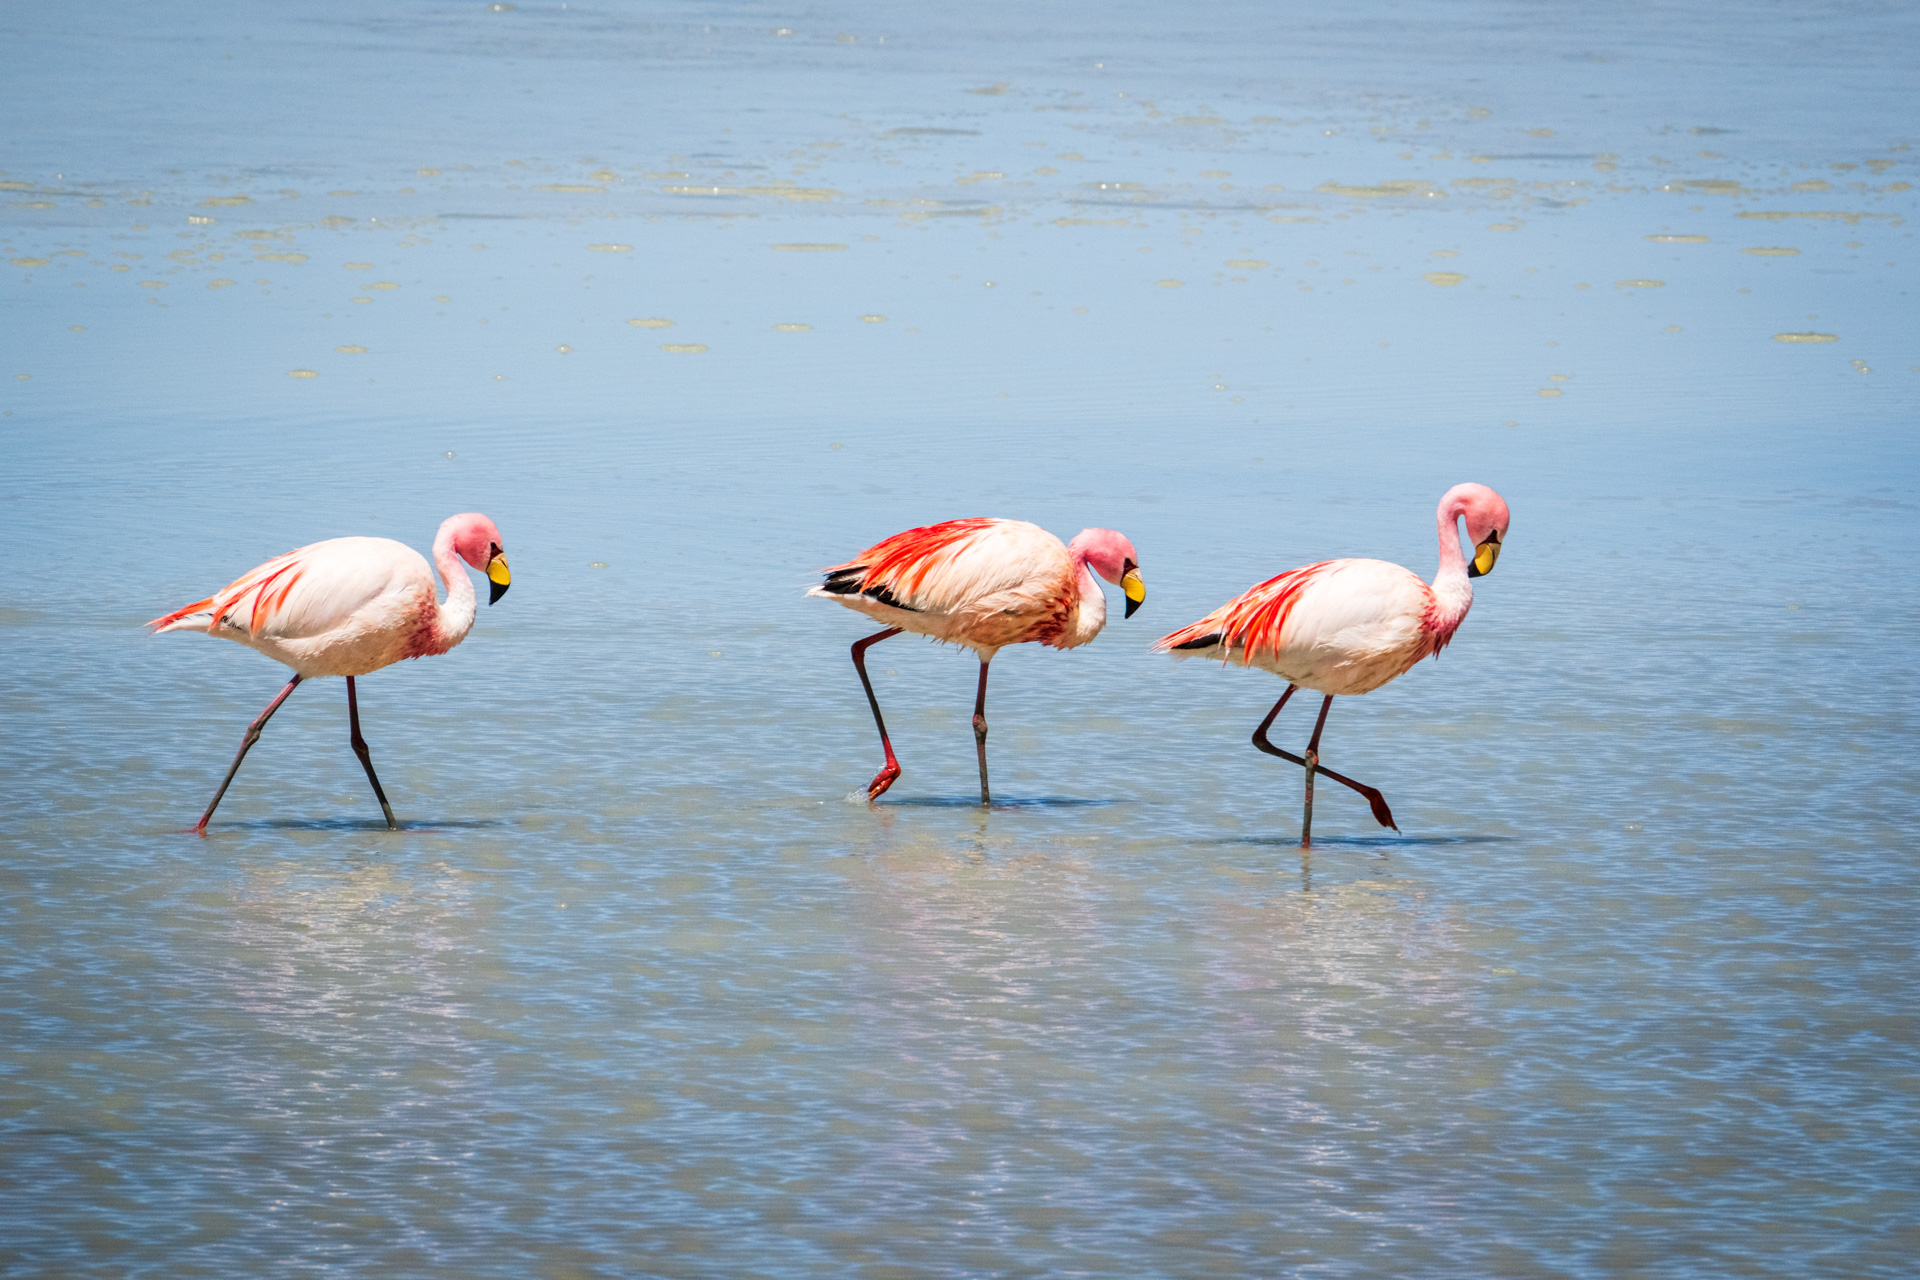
pixel 1378 802
pixel 246 745
pixel 883 779
pixel 980 733
pixel 366 760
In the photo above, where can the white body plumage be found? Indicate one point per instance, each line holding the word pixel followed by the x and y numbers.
pixel 1344 626
pixel 344 607
pixel 984 584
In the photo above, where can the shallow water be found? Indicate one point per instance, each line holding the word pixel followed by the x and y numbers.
pixel 637 990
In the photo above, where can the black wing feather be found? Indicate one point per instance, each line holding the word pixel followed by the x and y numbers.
pixel 846 582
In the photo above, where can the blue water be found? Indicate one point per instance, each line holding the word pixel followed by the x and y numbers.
pixel 637 990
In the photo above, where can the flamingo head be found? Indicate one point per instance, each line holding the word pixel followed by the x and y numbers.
pixel 474 539
pixel 1487 517
pixel 1110 555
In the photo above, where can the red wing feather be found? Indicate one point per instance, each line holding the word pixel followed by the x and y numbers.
pixel 258 588
pixel 183 612
pixel 901 563
pixel 232 598
pixel 1254 621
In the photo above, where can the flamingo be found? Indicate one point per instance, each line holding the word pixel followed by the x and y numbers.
pixel 1350 626
pixel 347 607
pixel 985 584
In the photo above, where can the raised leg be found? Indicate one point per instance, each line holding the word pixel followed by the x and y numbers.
pixel 1378 802
pixel 891 770
pixel 1313 766
pixel 246 745
pixel 1260 734
pixel 980 733
pixel 366 760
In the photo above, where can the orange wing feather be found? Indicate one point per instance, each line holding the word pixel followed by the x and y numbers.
pixel 232 598
pixel 1254 621
pixel 901 563
pixel 184 611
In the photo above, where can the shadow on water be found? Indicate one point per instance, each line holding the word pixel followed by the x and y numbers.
pixel 359 824
pixel 973 802
pixel 1365 842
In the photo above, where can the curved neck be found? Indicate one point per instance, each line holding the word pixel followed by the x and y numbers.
pixel 1452 590
pixel 1092 612
pixel 1453 563
pixel 454 616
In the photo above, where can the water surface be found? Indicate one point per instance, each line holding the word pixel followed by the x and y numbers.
pixel 637 990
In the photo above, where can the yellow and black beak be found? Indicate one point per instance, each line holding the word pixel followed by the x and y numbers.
pixel 1484 556
pixel 1136 590
pixel 497 575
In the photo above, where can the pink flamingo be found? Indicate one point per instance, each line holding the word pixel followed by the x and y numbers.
pixel 347 607
pixel 1349 626
pixel 985 584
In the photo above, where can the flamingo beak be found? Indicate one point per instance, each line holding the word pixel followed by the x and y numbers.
pixel 1136 590
pixel 1484 556
pixel 497 575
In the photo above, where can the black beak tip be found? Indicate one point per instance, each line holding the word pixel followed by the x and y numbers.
pixel 1132 606
pixel 1473 571
pixel 496 590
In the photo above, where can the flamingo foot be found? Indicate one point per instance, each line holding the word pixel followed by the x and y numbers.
pixel 1378 802
pixel 881 781
pixel 1375 801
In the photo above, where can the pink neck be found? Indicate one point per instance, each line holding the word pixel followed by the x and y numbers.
pixel 1084 583
pixel 1453 563
pixel 1452 590
pixel 454 617
pixel 1083 574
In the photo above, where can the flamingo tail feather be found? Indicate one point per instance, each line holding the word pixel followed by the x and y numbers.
pixel 197 616
pixel 1207 641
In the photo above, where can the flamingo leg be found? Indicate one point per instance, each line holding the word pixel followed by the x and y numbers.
pixel 246 745
pixel 980 733
pixel 891 770
pixel 1313 766
pixel 366 760
pixel 1381 813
